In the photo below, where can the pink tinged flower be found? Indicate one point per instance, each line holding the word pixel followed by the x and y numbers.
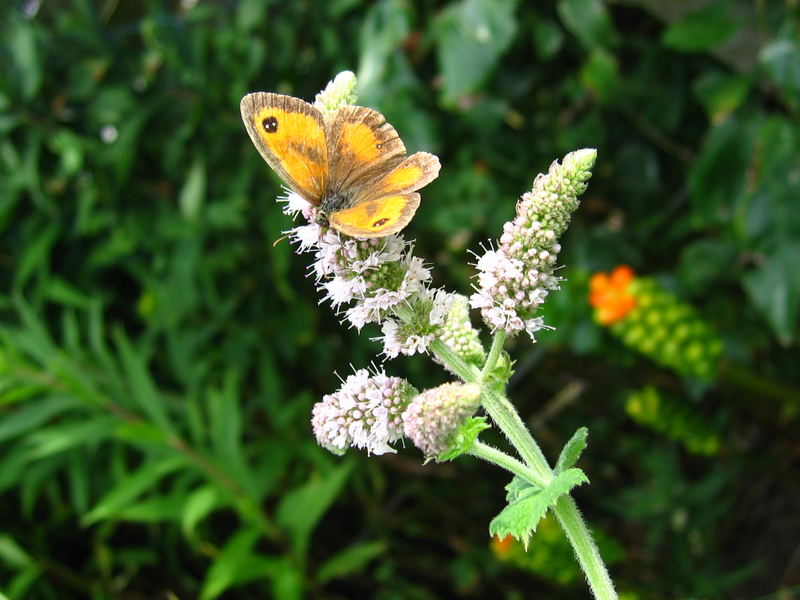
pixel 428 309
pixel 515 279
pixel 434 417
pixel 366 412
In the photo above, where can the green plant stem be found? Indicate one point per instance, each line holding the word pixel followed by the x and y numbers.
pixel 585 549
pixel 742 377
pixel 454 362
pixel 504 461
pixel 536 468
pixel 494 353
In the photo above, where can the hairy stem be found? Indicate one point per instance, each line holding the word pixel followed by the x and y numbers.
pixel 585 549
pixel 535 467
pixel 504 461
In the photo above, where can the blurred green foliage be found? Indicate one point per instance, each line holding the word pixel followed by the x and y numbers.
pixel 159 357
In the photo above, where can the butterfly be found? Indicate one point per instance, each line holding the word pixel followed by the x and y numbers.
pixel 351 165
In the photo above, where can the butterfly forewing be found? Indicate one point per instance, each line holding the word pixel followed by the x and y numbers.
pixel 290 135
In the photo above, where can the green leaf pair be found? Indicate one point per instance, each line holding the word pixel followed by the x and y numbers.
pixel 528 503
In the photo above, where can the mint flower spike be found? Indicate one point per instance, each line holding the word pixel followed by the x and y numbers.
pixel 514 280
pixel 365 279
pixel 366 412
pixel 339 92
pixel 435 416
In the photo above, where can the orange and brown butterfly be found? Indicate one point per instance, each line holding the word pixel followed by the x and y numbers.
pixel 350 164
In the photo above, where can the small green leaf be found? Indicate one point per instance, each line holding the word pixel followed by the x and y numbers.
pixel 774 290
pixel 572 450
pixel 350 560
pixel 32 415
pixel 131 487
pixel 521 517
pixel 702 29
pixel 144 390
pixel 200 503
pixel 721 93
pixel 474 33
pixel 20 36
pixel 600 74
pixel 589 21
pixel 59 438
pixel 193 191
pixel 158 509
pixel 465 437
pixel 781 60
pixel 12 554
pixel 302 508
pixel 237 564
pixel 516 487
pixel 225 421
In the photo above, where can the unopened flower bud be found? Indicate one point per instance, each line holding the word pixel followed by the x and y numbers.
pixel 434 417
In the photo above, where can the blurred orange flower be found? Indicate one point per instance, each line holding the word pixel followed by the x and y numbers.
pixel 609 294
pixel 501 547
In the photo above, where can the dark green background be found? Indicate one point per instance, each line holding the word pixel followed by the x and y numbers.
pixel 160 357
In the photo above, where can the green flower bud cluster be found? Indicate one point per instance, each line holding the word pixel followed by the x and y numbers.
pixel 458 333
pixel 673 419
pixel 668 331
pixel 339 92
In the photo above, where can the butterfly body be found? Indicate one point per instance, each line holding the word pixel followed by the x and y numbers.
pixel 351 165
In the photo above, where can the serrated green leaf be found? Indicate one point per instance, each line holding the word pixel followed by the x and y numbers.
pixel 465 438
pixel 521 517
pixel 349 560
pixel 302 508
pixel 572 450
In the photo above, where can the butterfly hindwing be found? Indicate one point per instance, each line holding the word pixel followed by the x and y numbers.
pixel 414 172
pixel 376 217
pixel 290 135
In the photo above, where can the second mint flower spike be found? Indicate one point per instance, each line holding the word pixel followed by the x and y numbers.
pixel 514 280
pixel 366 412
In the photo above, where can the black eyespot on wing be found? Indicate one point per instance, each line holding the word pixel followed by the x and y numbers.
pixel 270 124
pixel 379 222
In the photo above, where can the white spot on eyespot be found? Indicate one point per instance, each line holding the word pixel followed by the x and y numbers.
pixel 109 134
